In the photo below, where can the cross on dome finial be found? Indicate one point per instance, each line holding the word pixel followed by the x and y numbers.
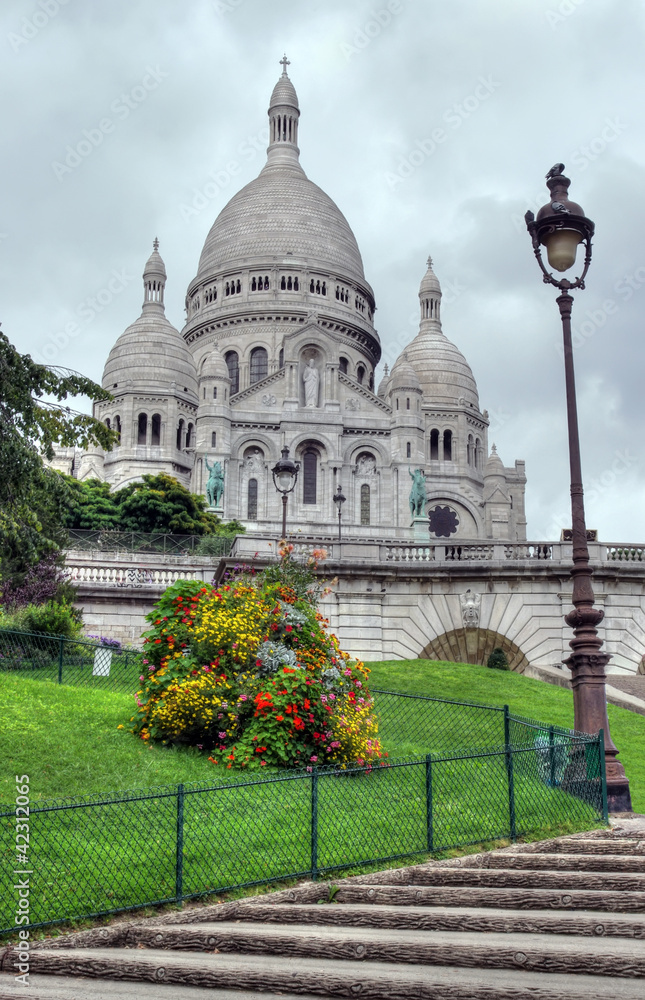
pixel 155 244
pixel 284 62
pixel 429 261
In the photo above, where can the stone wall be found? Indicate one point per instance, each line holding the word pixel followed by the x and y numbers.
pixel 399 600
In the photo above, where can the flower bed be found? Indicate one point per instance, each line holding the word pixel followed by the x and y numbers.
pixel 249 673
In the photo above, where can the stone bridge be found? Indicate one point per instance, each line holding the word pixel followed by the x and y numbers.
pixel 398 600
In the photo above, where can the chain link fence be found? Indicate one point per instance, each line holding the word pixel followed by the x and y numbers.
pixel 458 773
pixel 102 854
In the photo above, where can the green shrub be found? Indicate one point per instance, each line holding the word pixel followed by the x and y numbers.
pixel 46 619
pixel 497 660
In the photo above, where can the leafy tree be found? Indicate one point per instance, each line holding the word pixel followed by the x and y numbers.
pixel 33 498
pixel 497 660
pixel 159 503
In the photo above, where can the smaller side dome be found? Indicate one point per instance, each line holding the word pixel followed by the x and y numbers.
pixel 214 366
pixel 430 281
pixel 494 467
pixel 404 376
pixel 384 384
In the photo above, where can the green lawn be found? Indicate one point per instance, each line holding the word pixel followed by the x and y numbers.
pixel 110 855
pixel 525 696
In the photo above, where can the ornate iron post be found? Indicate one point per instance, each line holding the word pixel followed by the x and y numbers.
pixel 285 477
pixel 561 226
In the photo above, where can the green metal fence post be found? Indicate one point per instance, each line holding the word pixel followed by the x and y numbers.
pixel 603 775
pixel 551 758
pixel 61 646
pixel 509 772
pixel 429 820
pixel 179 867
pixel 314 823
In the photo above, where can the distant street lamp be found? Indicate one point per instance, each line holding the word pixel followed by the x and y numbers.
pixel 285 477
pixel 339 500
pixel 561 226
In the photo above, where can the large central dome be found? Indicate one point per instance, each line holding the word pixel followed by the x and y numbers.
pixel 279 214
pixel 282 214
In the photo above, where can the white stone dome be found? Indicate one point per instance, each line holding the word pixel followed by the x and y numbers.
pixel 282 215
pixel 403 376
pixel 444 373
pixel 214 366
pixel 151 353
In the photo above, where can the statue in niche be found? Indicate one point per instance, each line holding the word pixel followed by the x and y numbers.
pixel 215 484
pixel 310 377
pixel 417 493
pixel 254 462
pixel 365 465
pixel 470 608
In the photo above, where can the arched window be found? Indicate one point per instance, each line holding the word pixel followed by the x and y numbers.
pixel 309 476
pixel 281 358
pixel 189 435
pixel 360 374
pixel 470 450
pixel 342 365
pixel 259 364
pixel 107 423
pixel 117 427
pixel 252 500
pixel 365 504
pixel 479 457
pixel 213 439
pixel 214 392
pixel 143 428
pixel 407 403
pixel 447 446
pixel 180 435
pixel 233 365
pixel 371 383
pixel 156 429
pixel 434 444
pixel 408 450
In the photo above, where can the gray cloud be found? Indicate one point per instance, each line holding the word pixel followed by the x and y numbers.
pixel 565 83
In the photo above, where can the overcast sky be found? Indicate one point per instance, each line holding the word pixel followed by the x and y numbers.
pixel 431 124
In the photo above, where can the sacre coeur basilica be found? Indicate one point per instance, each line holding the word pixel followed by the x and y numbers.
pixel 279 349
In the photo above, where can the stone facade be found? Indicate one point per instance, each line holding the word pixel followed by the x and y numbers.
pixel 279 349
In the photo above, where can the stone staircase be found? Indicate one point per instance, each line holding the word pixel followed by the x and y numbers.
pixel 558 919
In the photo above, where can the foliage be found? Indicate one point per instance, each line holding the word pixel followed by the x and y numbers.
pixel 159 503
pixel 52 618
pixel 497 660
pixel 41 583
pixel 249 671
pixel 33 498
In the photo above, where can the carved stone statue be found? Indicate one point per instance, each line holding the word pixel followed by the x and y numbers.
pixel 310 377
pixel 365 465
pixel 254 462
pixel 417 493
pixel 215 484
pixel 470 608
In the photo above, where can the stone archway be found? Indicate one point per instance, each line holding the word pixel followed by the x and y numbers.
pixel 473 645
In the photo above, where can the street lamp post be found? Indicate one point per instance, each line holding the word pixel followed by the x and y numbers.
pixel 285 477
pixel 561 226
pixel 339 500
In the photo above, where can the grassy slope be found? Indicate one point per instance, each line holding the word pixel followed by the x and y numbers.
pixel 67 739
pixel 525 696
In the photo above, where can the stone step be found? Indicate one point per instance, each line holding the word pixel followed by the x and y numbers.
pixel 80 988
pixel 322 977
pixel 563 862
pixel 443 918
pixel 512 878
pixel 596 845
pixel 605 901
pixel 539 952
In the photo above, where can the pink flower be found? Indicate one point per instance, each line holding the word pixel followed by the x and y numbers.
pixel 347 673
pixel 141 678
pixel 242 697
pixel 314 759
pixel 222 736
